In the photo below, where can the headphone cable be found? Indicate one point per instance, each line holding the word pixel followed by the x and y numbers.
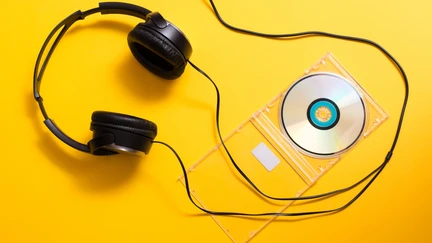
pixel 303 34
pixel 376 172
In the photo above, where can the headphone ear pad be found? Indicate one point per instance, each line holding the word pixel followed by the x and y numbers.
pixel 130 134
pixel 156 52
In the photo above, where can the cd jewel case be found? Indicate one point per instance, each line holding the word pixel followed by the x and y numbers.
pixel 285 147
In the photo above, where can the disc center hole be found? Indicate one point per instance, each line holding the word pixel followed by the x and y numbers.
pixel 323 114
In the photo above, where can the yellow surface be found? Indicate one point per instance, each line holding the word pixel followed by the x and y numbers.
pixel 51 193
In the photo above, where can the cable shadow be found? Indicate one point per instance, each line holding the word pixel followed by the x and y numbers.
pixel 239 29
pixel 91 173
pixel 267 218
pixel 247 186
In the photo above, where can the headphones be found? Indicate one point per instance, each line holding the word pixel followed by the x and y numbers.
pixel 157 45
pixel 164 50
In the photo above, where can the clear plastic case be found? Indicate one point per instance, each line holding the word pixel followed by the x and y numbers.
pixel 269 159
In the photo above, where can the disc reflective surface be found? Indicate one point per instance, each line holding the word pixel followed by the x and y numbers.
pixel 323 115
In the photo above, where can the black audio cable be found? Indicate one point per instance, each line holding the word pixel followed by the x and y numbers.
pixel 376 172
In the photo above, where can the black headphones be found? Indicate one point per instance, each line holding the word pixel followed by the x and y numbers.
pixel 157 45
pixel 164 50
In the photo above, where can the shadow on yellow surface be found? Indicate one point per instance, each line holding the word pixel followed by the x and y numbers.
pixel 140 82
pixel 90 172
pixel 131 74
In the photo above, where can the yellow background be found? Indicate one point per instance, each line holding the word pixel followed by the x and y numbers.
pixel 51 193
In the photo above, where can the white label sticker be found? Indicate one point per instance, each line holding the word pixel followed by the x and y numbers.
pixel 264 155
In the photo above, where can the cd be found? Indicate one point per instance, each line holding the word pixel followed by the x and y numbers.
pixel 323 115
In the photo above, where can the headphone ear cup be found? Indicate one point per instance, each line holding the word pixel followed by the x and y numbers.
pixel 124 133
pixel 155 52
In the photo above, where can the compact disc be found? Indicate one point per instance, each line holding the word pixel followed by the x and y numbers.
pixel 323 115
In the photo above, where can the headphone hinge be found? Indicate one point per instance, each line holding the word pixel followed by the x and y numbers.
pixel 38 98
pixel 78 15
pixel 157 19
